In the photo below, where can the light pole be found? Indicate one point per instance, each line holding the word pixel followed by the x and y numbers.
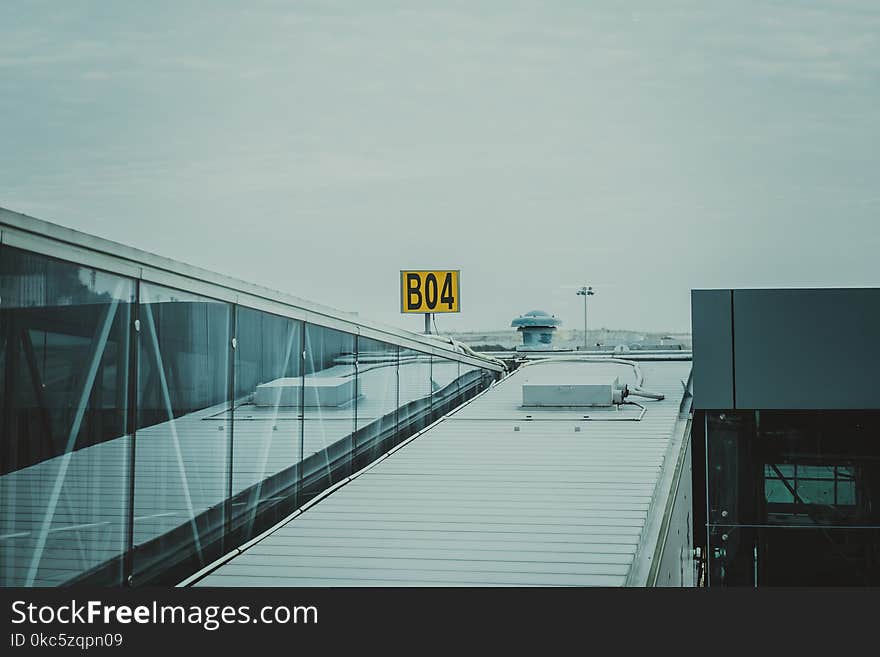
pixel 585 291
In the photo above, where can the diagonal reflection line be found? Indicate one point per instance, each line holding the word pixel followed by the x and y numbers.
pixel 322 425
pixel 166 398
pixel 81 548
pixel 264 457
pixel 85 392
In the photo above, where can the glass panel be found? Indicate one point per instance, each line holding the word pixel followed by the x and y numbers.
pixel 64 453
pixel 472 379
pixel 444 372
pixel 815 472
pixel 415 391
pixel 415 376
pixel 377 400
pixel 267 418
pixel 444 385
pixel 227 440
pixel 815 492
pixel 329 403
pixel 793 556
pixel 182 446
pixel 846 492
pixel 784 470
pixel 793 468
pixel 776 492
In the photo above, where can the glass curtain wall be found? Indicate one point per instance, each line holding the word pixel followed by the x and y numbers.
pixel 267 420
pixel 793 498
pixel 329 397
pixel 415 388
pixel 444 386
pixel 182 445
pixel 65 354
pixel 145 431
pixel 377 394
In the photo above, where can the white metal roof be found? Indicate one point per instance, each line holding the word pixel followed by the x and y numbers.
pixel 492 495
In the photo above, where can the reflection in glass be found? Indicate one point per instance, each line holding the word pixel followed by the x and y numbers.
pixel 329 394
pixel 267 414
pixel 444 386
pixel 181 449
pixel 377 399
pixel 444 373
pixel 791 497
pixel 806 484
pixel 415 390
pixel 415 376
pixel 794 556
pixel 793 468
pixel 223 441
pixel 473 379
pixel 64 362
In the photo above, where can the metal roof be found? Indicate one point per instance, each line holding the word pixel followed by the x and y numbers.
pixel 493 495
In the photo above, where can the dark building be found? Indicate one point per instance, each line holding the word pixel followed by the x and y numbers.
pixel 786 436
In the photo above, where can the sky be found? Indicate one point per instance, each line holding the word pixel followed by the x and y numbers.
pixel 644 148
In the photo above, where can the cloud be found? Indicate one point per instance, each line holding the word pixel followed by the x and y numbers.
pixel 531 143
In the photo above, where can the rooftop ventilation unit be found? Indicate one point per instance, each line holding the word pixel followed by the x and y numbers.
pixel 575 394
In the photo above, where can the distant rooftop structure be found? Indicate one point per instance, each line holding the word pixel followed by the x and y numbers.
pixel 537 328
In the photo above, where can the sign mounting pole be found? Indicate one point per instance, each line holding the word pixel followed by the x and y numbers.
pixel 427 323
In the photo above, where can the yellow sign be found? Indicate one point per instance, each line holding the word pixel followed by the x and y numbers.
pixel 429 291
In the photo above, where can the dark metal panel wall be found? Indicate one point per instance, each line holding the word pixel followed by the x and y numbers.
pixel 712 345
pixel 807 348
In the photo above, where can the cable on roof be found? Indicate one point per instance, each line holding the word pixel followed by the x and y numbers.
pixel 463 348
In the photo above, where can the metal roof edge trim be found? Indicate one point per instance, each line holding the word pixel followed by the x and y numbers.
pixel 651 539
pixel 773 288
pixel 32 234
pixel 677 355
pixel 654 570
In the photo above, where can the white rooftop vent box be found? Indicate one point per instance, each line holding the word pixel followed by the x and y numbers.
pixel 582 392
pixel 319 391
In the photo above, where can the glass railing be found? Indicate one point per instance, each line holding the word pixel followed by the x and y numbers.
pixel 146 431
